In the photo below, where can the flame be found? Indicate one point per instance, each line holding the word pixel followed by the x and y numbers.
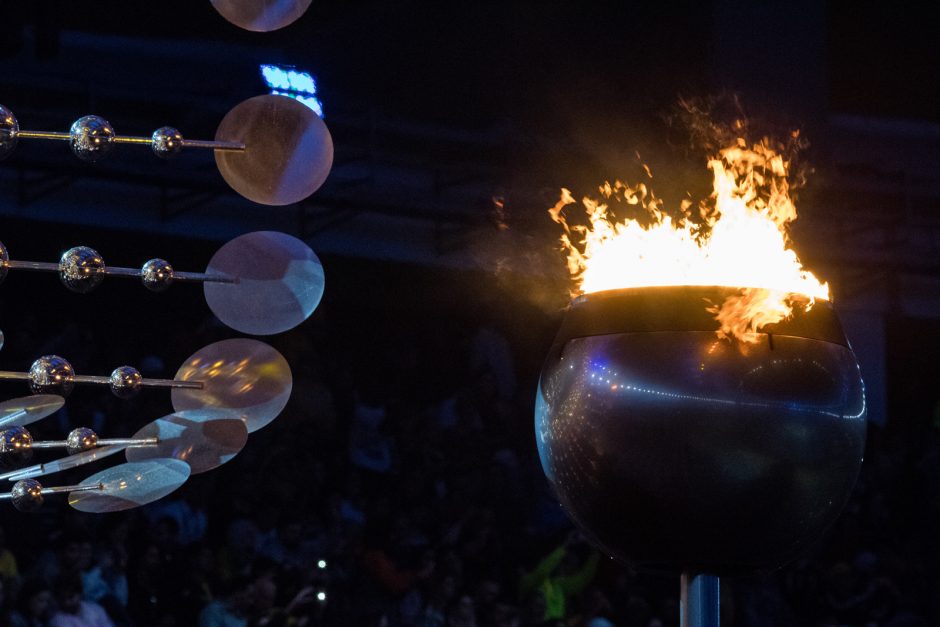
pixel 741 241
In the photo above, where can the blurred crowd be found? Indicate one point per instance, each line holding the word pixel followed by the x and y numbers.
pixel 401 487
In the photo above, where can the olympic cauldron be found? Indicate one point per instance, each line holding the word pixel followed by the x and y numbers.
pixel 677 451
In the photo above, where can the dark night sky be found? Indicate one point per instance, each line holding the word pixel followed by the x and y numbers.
pixel 477 63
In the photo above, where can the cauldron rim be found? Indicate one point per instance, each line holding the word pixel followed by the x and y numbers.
pixel 680 308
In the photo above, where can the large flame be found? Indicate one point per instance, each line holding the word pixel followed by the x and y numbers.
pixel 740 241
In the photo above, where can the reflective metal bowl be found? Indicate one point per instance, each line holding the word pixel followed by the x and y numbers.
pixel 680 452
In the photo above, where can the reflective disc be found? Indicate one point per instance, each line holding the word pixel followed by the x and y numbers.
pixel 288 150
pixel 193 436
pixel 18 412
pixel 241 374
pixel 279 283
pixel 130 485
pixel 261 16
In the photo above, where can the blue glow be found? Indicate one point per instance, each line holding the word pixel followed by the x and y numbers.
pixel 300 86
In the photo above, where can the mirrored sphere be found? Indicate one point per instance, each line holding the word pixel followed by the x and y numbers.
pixel 125 382
pixel 157 275
pixel 9 127
pixel 81 269
pixel 91 137
pixel 4 256
pixel 16 447
pixel 167 142
pixel 50 374
pixel 27 495
pixel 81 439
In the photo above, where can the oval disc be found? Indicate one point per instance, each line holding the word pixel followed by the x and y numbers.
pixel 288 150
pixel 130 485
pixel 261 16
pixel 241 374
pixel 193 436
pixel 279 283
pixel 19 412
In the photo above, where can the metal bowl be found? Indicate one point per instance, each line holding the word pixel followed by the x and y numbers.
pixel 680 452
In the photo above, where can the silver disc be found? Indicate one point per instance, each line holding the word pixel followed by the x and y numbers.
pixel 261 16
pixel 279 282
pixel 19 412
pixel 288 150
pixel 200 438
pixel 65 463
pixel 130 485
pixel 242 374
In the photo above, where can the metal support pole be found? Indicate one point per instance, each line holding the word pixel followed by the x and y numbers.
pixel 699 603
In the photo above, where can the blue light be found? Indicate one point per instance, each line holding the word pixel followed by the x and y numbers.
pixel 300 86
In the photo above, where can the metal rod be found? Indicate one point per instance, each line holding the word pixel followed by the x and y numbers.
pixel 214 145
pixel 131 442
pixel 99 380
pixel 172 383
pixel 40 266
pixel 149 383
pixel 73 488
pixel 43 135
pixel 699 604
pixel 141 141
pixel 50 444
pixel 46 266
pixel 127 139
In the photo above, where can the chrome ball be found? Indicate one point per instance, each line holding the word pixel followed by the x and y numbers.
pixel 91 138
pixel 27 495
pixel 9 128
pixel 81 269
pixel 677 451
pixel 157 275
pixel 125 382
pixel 81 439
pixel 4 256
pixel 50 374
pixel 166 142
pixel 16 447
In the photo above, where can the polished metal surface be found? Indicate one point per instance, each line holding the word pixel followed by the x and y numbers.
pixel 166 142
pixel 16 447
pixel 91 137
pixel 241 374
pixel 130 485
pixel 28 409
pixel 9 128
pixel 27 495
pixel 278 283
pixel 81 269
pixel 65 463
pixel 50 374
pixel 157 275
pixel 288 154
pixel 81 439
pixel 679 451
pixel 261 15
pixel 204 439
pixel 125 382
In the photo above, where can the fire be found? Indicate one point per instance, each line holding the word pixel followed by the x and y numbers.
pixel 741 241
